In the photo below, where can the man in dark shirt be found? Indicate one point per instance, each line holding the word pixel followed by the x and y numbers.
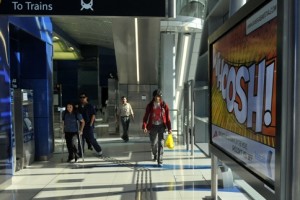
pixel 89 114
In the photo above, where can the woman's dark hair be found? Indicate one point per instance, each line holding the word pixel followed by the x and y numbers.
pixel 157 93
pixel 73 105
pixel 70 103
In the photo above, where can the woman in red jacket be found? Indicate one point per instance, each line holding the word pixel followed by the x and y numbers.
pixel 156 120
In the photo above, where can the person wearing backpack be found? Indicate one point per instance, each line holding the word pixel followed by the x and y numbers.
pixel 155 122
pixel 70 119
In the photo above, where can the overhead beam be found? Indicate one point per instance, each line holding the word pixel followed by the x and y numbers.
pixel 132 8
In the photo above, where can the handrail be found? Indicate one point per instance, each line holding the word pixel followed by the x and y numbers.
pixel 177 128
pixel 203 119
pixel 201 88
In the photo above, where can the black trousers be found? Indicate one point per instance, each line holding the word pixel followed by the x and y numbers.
pixel 125 121
pixel 88 135
pixel 71 141
pixel 157 141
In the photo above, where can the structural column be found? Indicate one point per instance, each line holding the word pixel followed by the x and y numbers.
pixel 167 73
pixel 167 68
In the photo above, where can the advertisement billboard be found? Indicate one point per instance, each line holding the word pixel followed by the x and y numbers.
pixel 243 66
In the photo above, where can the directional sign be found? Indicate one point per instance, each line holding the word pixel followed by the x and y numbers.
pixel 138 8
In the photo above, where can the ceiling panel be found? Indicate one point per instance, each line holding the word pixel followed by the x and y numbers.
pixel 118 33
pixel 98 31
pixel 87 30
pixel 148 50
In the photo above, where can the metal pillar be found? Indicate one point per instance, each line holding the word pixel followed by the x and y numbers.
pixel 186 115
pixel 192 116
pixel 214 177
pixel 288 177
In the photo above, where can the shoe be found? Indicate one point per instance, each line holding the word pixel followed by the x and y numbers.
pixel 154 158
pixel 160 164
pixel 100 153
pixel 90 148
pixel 70 159
pixel 126 140
pixel 76 157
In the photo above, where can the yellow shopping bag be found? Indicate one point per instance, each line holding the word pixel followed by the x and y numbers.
pixel 169 141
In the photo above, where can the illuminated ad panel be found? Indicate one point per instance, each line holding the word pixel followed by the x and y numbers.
pixel 243 91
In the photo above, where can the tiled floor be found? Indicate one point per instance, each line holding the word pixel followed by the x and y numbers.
pixel 125 172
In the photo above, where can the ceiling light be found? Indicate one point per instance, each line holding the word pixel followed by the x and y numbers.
pixel 184 58
pixel 137 50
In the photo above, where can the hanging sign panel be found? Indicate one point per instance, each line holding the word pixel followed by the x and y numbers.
pixel 146 8
pixel 243 91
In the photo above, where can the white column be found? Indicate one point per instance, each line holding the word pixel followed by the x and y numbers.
pixel 167 71
pixel 167 68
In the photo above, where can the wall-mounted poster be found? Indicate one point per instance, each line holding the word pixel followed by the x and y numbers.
pixel 243 63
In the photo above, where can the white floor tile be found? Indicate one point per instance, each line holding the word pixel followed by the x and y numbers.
pixel 125 171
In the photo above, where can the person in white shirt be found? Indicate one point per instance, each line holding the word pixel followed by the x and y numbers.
pixel 125 112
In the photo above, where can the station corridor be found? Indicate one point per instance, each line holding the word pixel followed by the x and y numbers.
pixel 125 172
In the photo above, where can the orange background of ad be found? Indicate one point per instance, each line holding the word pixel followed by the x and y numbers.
pixel 238 49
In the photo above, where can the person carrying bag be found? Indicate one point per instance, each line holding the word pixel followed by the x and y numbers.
pixel 155 121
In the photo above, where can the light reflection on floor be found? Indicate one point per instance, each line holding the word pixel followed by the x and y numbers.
pixel 126 172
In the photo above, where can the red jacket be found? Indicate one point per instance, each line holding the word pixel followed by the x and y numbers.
pixel 147 120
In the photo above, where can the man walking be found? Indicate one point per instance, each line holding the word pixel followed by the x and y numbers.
pixel 89 114
pixel 125 111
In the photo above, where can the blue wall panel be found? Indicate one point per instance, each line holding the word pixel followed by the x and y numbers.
pixel 6 161
pixel 32 65
pixel 42 145
pixel 40 27
pixel 35 45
